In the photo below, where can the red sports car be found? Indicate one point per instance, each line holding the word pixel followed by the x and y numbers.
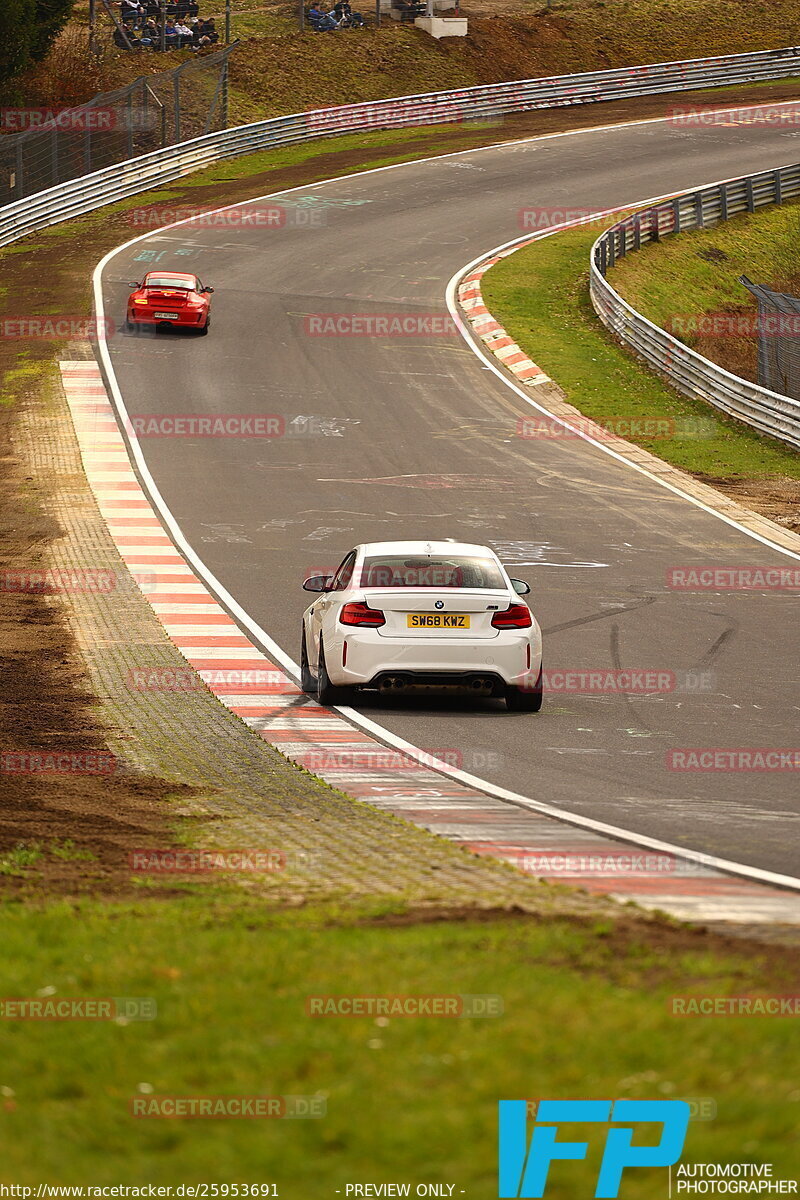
pixel 170 298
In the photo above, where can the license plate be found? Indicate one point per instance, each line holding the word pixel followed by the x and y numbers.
pixel 438 621
pixel 166 316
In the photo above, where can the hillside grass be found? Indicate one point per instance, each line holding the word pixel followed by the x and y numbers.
pixel 696 274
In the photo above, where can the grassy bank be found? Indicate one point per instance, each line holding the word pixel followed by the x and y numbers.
pixel 697 274
pixel 277 69
pixel 586 1012
pixel 540 294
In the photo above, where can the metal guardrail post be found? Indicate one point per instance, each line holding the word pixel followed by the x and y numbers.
pixel 19 174
pixel 54 156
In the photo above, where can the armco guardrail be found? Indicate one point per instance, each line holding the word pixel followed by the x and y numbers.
pixel 769 412
pixel 88 192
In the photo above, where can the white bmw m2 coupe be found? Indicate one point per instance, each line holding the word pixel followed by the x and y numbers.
pixel 405 616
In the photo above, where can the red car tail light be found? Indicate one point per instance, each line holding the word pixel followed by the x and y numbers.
pixel 361 614
pixel 516 616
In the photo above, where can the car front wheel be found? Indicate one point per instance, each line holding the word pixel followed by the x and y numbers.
pixel 527 699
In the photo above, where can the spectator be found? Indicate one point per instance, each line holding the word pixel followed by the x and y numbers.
pixel 131 11
pixel 314 16
pixel 345 17
pixel 202 36
pixel 327 23
pixel 171 35
pixel 184 33
pixel 409 9
pixel 132 42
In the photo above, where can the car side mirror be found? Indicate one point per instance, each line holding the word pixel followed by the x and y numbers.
pixel 208 289
pixel 316 583
pixel 520 587
pixel 135 285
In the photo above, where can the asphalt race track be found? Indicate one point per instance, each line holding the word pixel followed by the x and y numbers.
pixel 413 437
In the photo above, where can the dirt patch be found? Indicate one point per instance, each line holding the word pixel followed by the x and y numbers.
pixel 624 939
pixel 776 498
pixel 77 828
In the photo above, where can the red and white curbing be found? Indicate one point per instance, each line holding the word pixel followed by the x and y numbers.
pixel 491 332
pixel 267 699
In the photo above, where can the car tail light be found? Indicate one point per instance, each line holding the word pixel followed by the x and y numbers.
pixel 516 616
pixel 361 614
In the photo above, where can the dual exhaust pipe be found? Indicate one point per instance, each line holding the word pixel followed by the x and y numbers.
pixel 396 684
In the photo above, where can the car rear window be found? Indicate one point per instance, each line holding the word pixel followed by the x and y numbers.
pixel 458 571
pixel 162 281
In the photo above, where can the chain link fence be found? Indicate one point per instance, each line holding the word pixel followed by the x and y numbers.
pixel 778 339
pixel 152 112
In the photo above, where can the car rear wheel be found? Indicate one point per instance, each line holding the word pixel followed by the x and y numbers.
pixel 203 329
pixel 132 326
pixel 525 699
pixel 327 692
pixel 307 680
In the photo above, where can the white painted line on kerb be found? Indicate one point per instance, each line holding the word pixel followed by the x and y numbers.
pixel 280 656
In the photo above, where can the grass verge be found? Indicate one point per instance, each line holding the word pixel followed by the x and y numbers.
pixel 586 1012
pixel 541 295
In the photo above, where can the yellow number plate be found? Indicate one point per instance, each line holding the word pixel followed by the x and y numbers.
pixel 438 621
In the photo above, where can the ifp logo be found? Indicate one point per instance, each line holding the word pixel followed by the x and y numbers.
pixel 524 1169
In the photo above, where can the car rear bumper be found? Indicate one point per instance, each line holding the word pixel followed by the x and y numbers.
pixel 184 320
pixel 435 661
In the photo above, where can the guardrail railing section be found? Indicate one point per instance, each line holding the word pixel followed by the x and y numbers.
pixel 765 410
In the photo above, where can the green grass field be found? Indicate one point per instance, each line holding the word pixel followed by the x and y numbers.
pixel 586 1014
